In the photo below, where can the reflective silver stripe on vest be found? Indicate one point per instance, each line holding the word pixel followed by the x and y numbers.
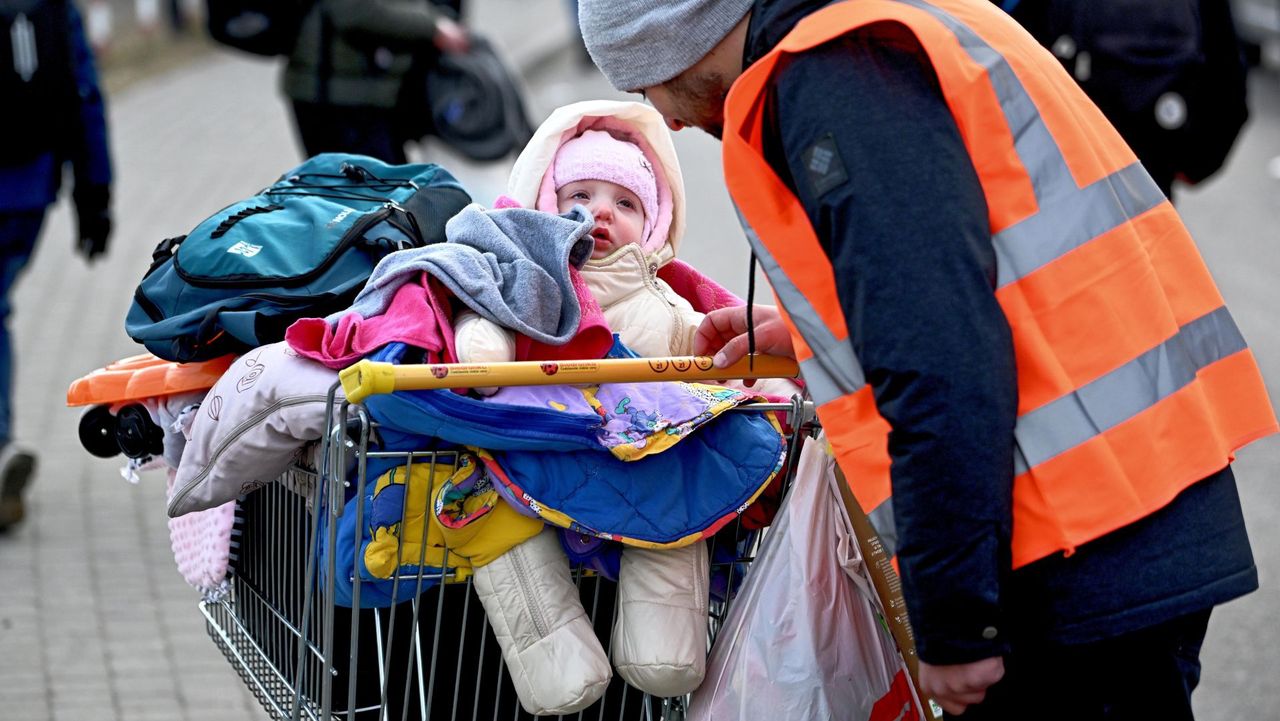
pixel 834 370
pixel 1069 216
pixel 881 518
pixel 822 386
pixel 1126 391
pixel 1072 221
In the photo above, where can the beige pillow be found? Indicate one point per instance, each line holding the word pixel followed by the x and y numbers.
pixel 252 427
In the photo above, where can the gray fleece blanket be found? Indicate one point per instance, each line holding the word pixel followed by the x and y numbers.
pixel 511 266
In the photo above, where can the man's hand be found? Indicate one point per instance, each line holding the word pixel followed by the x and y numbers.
pixel 93 220
pixel 959 686
pixel 724 332
pixel 450 37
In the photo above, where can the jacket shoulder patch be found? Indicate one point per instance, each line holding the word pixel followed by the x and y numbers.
pixel 823 165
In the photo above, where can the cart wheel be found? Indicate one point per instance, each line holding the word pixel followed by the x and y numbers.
pixel 98 432
pixel 136 434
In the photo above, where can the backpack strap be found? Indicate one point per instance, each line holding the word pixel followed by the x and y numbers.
pixel 163 252
pixel 240 215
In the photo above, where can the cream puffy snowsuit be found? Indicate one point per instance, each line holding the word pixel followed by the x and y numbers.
pixel 660 636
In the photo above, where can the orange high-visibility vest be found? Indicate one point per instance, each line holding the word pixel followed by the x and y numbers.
pixel 1133 380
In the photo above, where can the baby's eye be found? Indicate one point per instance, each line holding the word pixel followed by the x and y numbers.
pixel 580 195
pixel 626 203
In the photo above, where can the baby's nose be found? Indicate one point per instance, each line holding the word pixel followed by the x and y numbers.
pixel 601 211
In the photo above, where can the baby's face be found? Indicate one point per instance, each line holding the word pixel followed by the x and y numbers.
pixel 618 212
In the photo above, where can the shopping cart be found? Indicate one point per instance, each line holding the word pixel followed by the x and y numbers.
pixel 432 655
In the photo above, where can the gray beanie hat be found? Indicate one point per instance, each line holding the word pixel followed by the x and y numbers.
pixel 640 43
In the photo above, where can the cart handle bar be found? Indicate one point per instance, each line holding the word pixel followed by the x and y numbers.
pixel 367 378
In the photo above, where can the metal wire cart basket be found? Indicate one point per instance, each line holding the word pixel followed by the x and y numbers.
pixel 431 653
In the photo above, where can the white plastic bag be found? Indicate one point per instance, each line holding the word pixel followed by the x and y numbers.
pixel 803 638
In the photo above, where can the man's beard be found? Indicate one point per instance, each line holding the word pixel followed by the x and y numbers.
pixel 701 99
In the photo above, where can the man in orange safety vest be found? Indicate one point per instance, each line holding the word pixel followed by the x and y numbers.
pixel 1021 362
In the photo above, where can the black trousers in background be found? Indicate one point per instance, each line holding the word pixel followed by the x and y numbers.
pixel 1147 674
pixel 346 129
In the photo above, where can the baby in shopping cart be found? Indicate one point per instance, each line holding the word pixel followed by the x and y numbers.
pixel 617 160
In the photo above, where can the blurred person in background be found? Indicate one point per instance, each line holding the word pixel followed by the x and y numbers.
pixel 53 116
pixel 353 65
pixel 177 17
pixel 1168 74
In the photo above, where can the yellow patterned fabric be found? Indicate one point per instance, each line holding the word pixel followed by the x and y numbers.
pixel 442 515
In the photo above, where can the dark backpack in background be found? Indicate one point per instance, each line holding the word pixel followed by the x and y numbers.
pixel 1168 74
pixel 260 27
pixel 303 247
pixel 473 102
pixel 37 82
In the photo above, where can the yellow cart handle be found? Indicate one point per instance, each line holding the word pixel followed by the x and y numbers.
pixel 367 378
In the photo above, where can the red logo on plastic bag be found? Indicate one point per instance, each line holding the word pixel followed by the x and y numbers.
pixel 550 368
pixel 897 703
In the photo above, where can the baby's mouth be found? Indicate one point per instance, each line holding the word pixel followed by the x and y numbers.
pixel 600 234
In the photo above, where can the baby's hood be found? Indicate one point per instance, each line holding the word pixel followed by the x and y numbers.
pixel 531 183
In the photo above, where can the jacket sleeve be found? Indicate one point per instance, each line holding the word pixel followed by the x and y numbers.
pixel 690 319
pixel 88 153
pixel 480 340
pixel 409 22
pixel 866 140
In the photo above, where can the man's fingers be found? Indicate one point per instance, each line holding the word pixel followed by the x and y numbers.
pixel 728 322
pixel 959 686
pixel 951 707
pixel 718 326
pixel 725 330
pixel 956 703
pixel 707 340
pixel 969 698
pixel 732 352
pixel 963 691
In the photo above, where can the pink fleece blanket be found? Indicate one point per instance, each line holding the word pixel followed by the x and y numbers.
pixel 420 315
pixel 416 316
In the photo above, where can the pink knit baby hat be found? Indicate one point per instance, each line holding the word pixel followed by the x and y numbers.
pixel 597 155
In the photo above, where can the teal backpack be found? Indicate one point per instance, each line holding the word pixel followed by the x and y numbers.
pixel 302 247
